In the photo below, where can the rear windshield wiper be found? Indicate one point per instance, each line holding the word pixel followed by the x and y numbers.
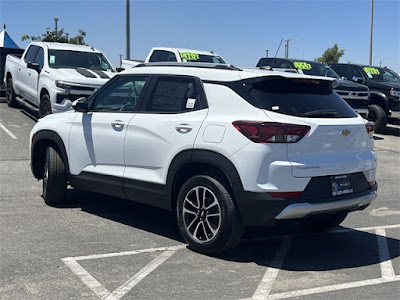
pixel 321 112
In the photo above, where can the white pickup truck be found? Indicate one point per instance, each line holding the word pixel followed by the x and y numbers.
pixel 49 76
pixel 165 54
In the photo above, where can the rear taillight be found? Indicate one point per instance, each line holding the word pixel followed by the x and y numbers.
pixel 266 132
pixel 370 129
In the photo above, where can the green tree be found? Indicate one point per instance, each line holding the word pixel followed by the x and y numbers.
pixel 58 35
pixel 331 55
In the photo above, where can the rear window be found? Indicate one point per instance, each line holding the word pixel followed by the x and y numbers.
pixel 298 97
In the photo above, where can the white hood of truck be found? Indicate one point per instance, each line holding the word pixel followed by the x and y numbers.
pixel 82 76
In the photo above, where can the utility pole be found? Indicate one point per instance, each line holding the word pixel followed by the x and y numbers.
pixel 266 53
pixel 56 27
pixel 370 32
pixel 287 45
pixel 127 30
pixel 287 49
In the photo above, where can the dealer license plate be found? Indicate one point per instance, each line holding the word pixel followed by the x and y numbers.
pixel 341 185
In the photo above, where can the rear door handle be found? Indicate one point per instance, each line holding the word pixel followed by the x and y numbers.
pixel 118 124
pixel 183 128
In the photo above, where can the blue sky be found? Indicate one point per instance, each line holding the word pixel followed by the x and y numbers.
pixel 240 31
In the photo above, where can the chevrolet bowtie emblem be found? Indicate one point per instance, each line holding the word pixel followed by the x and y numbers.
pixel 345 132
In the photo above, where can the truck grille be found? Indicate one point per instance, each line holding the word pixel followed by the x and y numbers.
pixel 357 103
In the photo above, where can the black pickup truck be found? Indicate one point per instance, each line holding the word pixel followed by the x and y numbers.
pixel 384 87
pixel 356 95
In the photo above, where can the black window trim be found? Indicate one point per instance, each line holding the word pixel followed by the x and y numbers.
pixel 199 86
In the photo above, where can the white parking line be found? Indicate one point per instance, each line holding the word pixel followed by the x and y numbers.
pixel 263 290
pixel 331 288
pixel 8 131
pixel 384 255
pixel 87 279
pixel 100 290
pixel 265 286
pixel 127 286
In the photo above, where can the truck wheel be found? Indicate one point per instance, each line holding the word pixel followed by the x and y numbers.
pixel 378 116
pixel 324 222
pixel 54 178
pixel 45 106
pixel 10 94
pixel 207 217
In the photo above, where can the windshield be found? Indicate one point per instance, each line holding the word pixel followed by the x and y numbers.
pixel 381 74
pixel 77 59
pixel 316 69
pixel 202 58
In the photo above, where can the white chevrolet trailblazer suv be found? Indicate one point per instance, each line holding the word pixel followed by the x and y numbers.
pixel 225 148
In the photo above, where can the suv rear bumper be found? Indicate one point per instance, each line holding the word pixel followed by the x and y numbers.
pixel 259 209
pixel 300 210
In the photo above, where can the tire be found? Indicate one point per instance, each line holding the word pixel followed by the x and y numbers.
pixel 324 222
pixel 54 178
pixel 45 106
pixel 10 94
pixel 212 225
pixel 378 116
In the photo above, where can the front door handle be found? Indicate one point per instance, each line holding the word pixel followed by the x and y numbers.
pixel 183 128
pixel 118 124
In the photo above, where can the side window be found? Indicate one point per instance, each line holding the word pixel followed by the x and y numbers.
pixel 284 64
pixel 174 95
pixel 170 57
pixel 40 57
pixel 355 72
pixel 31 54
pixel 122 95
pixel 161 55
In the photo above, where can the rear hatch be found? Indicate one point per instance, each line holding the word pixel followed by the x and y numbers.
pixel 337 141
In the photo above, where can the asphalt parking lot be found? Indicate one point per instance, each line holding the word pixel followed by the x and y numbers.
pixel 103 247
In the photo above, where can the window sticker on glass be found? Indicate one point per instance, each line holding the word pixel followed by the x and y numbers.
pixel 302 65
pixel 52 59
pixel 190 103
pixel 189 56
pixel 372 71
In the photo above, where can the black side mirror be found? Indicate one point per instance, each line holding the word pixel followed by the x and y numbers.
pixel 358 80
pixel 81 105
pixel 119 69
pixel 34 66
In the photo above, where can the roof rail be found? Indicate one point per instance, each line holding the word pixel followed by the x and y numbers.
pixel 190 64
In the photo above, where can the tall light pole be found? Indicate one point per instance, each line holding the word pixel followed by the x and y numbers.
pixel 370 32
pixel 127 30
pixel 56 27
pixel 266 53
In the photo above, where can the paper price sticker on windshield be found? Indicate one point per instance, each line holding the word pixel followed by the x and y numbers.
pixel 52 59
pixel 372 71
pixel 190 103
pixel 189 56
pixel 302 65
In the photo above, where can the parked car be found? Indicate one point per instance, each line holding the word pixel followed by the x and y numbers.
pixel 356 95
pixel 49 76
pixel 223 147
pixel 168 54
pixel 384 86
pixel 3 53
